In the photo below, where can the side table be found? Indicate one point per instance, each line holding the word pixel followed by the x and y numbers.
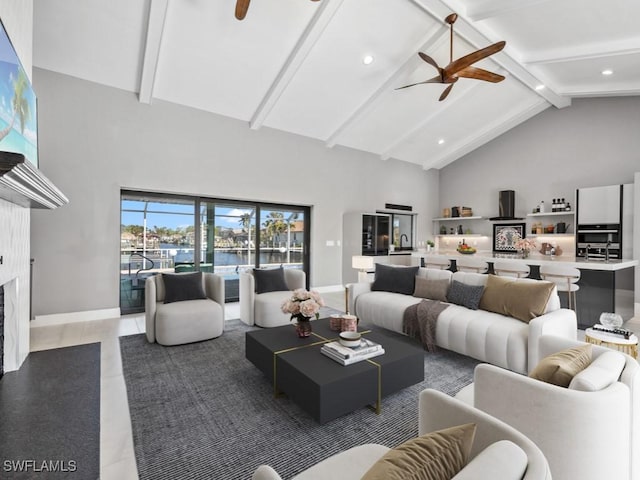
pixel 615 342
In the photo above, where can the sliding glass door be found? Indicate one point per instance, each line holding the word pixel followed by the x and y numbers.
pixel 169 233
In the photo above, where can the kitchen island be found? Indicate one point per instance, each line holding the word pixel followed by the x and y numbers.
pixel 604 286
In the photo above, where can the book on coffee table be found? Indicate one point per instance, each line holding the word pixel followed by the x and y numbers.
pixel 331 353
pixel 366 346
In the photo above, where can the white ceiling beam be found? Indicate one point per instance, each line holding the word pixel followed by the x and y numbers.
pixel 449 102
pixel 480 36
pixel 155 27
pixel 617 90
pixel 488 133
pixel 433 39
pixel 584 52
pixel 481 10
pixel 325 12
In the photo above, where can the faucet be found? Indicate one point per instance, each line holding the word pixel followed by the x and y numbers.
pixel 606 251
pixel 586 252
pixel 406 238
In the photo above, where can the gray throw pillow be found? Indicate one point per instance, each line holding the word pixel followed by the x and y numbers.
pixel 179 287
pixel 394 279
pixel 465 295
pixel 270 280
pixel 431 289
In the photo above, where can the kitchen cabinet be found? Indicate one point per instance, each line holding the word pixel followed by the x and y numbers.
pixel 599 205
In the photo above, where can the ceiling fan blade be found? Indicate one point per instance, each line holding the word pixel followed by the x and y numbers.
pixel 429 60
pixel 437 79
pixel 241 8
pixel 480 74
pixel 445 93
pixel 464 62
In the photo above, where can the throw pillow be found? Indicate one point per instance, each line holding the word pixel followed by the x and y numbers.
pixel 270 280
pixel 560 368
pixel 394 279
pixel 603 371
pixel 434 456
pixel 432 289
pixel 179 287
pixel 502 460
pixel 465 295
pixel 524 300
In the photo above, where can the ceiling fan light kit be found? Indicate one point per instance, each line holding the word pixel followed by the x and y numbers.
pixel 462 66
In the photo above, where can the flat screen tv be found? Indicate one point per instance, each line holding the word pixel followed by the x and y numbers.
pixel 18 114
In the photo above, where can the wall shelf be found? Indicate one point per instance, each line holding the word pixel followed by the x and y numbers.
pixel 549 214
pixel 460 235
pixel 445 219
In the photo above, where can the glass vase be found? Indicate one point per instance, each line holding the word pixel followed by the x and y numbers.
pixel 303 328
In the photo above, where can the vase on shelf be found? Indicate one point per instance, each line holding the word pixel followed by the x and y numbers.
pixel 303 327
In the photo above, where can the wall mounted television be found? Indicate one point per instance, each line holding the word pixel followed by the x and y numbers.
pixel 18 104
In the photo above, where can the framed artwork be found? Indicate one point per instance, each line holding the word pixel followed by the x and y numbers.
pixel 18 115
pixel 506 234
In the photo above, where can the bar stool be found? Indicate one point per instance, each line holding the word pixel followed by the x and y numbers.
pixel 470 264
pixel 565 279
pixel 511 268
pixel 435 261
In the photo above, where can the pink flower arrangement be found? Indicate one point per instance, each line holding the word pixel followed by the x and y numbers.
pixel 303 304
pixel 524 244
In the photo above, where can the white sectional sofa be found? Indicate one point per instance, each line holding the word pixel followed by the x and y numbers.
pixel 491 337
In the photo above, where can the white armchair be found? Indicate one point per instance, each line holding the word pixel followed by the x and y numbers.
pixel 437 411
pixel 264 309
pixel 184 321
pixel 586 435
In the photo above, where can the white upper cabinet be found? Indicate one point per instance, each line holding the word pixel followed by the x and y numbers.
pixel 599 205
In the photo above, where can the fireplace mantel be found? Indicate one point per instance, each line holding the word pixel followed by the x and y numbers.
pixel 23 184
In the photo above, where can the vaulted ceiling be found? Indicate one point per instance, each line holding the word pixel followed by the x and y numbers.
pixel 297 65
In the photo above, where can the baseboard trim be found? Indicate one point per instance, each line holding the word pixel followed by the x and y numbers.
pixel 329 288
pixel 74 317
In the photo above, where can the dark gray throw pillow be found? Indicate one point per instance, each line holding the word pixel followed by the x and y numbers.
pixel 182 286
pixel 394 279
pixel 465 295
pixel 270 280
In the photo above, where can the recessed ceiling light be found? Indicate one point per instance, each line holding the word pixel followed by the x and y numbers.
pixel 367 59
pixel 441 141
pixel 539 87
pixel 607 72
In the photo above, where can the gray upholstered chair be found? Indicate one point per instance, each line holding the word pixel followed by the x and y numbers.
pixel 264 309
pixel 184 321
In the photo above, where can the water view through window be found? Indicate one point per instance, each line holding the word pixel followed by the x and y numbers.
pixel 163 233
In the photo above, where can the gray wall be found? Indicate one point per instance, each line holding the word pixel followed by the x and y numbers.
pixel 95 140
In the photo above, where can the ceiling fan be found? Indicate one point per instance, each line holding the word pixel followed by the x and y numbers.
pixel 243 5
pixel 462 66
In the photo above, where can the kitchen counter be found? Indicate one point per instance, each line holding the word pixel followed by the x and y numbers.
pixel 537 259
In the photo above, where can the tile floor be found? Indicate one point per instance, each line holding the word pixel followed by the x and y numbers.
pixel 117 459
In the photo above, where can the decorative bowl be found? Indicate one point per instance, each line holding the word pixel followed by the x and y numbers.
pixel 611 320
pixel 467 251
pixel 350 339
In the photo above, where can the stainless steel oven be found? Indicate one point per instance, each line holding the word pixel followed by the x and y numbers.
pixel 594 240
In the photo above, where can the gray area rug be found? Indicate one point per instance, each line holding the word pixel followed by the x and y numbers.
pixel 203 411
pixel 50 416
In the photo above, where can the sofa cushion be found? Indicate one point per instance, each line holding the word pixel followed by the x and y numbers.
pixel 270 280
pixel 509 296
pixel 465 295
pixel 560 367
pixel 395 279
pixel 602 372
pixel 435 456
pixel 502 460
pixel 431 289
pixel 179 287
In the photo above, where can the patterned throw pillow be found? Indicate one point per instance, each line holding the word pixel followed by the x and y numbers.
pixel 465 295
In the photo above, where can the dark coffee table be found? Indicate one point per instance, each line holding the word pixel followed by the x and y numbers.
pixel 323 387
